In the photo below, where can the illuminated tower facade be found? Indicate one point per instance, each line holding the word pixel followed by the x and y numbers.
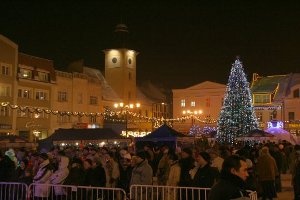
pixel 120 65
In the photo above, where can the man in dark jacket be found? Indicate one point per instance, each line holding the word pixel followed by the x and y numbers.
pixel 232 181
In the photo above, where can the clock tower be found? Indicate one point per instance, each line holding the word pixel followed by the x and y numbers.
pixel 120 65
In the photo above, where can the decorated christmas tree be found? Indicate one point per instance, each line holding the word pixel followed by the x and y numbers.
pixel 237 116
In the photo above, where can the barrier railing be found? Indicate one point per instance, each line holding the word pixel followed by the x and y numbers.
pixel 156 192
pixel 253 195
pixel 20 191
pixel 13 191
pixel 70 192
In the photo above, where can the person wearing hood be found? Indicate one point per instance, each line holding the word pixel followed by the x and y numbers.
pixel 231 184
pixel 42 176
pixel 59 176
pixel 267 170
pixel 7 169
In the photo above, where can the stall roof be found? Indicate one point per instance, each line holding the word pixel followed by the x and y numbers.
pixel 85 134
pixel 163 133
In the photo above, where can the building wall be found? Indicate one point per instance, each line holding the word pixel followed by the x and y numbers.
pixel 34 83
pixel 206 97
pixel 8 71
pixel 292 110
pixel 72 93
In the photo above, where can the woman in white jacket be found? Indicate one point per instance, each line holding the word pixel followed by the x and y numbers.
pixel 173 176
pixel 59 176
pixel 41 178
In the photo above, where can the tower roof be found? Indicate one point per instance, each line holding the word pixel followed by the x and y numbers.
pixel 121 37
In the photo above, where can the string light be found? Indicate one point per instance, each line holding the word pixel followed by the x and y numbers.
pixel 108 114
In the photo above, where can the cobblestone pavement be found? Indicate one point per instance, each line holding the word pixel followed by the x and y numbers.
pixel 287 189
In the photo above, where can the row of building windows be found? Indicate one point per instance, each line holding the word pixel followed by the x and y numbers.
pixel 28 74
pixel 68 119
pixel 273 115
pixel 63 97
pixel 206 103
pixel 27 94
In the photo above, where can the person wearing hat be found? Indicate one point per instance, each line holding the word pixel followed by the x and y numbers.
pixel 42 176
pixel 186 164
pixel 141 174
pixel 205 175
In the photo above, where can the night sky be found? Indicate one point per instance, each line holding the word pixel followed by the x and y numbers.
pixel 181 43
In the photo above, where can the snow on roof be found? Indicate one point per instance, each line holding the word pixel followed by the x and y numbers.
pixel 107 92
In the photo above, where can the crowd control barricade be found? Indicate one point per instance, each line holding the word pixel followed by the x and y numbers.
pixel 253 195
pixel 13 191
pixel 157 192
pixel 70 192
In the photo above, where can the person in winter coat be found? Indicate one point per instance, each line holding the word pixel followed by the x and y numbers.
pixel 163 167
pixel 125 172
pixel 24 174
pixel 141 175
pixel 266 170
pixel 7 169
pixel 295 171
pixel 59 176
pixel 112 170
pixel 231 184
pixel 75 176
pixel 42 176
pixel 173 176
pixel 186 164
pixel 205 176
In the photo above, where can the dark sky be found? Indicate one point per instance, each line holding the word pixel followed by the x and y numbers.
pixel 181 43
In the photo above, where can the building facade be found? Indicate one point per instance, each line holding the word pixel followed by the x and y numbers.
pixel 197 105
pixel 277 98
pixel 8 83
pixel 42 99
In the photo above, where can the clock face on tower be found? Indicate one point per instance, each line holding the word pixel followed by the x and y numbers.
pixel 114 60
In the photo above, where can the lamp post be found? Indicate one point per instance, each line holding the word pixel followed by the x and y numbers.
pixel 192 114
pixel 125 110
pixel 159 111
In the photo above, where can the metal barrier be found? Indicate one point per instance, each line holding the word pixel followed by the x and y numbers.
pixel 70 192
pixel 253 195
pixel 156 192
pixel 13 191
pixel 20 191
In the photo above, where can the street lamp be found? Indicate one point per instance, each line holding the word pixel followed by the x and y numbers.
pixel 192 114
pixel 125 110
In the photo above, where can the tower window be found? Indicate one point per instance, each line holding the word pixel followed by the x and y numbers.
pixel 129 61
pixel 129 76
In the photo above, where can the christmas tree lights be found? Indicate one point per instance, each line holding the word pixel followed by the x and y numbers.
pixel 237 116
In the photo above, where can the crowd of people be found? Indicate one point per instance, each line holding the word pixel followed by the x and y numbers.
pixel 229 172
